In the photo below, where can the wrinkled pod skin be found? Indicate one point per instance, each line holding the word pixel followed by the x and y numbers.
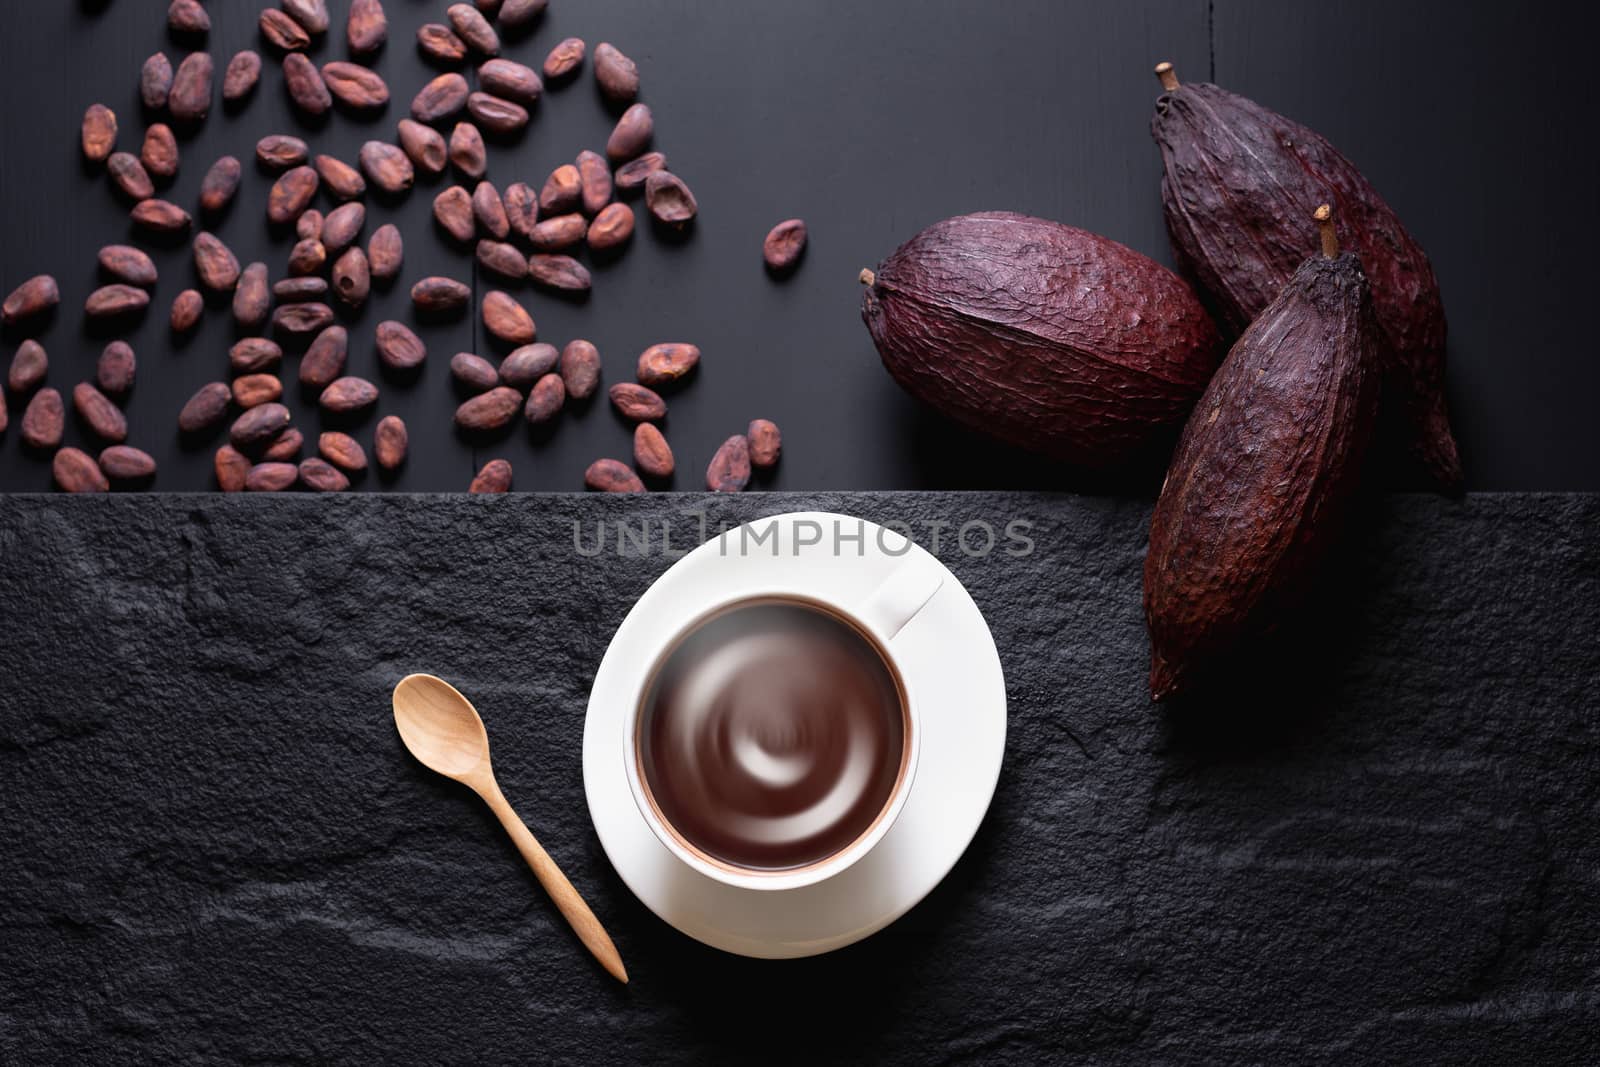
pixel 1042 335
pixel 1263 475
pixel 1240 186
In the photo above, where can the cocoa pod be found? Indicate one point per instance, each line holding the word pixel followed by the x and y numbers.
pixel 389 443
pixel 386 253
pixel 75 471
pixel 116 369
pixel 240 78
pixel 253 390
pixel 159 153
pixel 312 15
pixel 387 167
pixel 495 115
pixel 341 179
pixel 667 363
pixel 44 420
pixel 506 320
pixel 637 403
pixel 231 467
pixel 634 174
pixel 128 264
pixel 729 471
pixel 489 411
pixel 307 257
pixel 467 151
pixel 99 134
pixel 253 355
pixel 669 200
pixel 206 409
pixel 971 317
pixel 580 369
pixel 115 301
pixel 103 418
pixel 612 228
pixel 473 28
pixel 516 15
pixel 190 98
pixel 562 192
pixel 526 365
pixel 324 360
pixel 123 463
pixel 155 81
pixel 510 81
pixel 187 307
pixel 284 448
pixel 29 366
pixel 495 477
pixel 490 211
pixel 220 185
pixel 563 231
pixel 283 32
pixel 522 209
pixel 291 194
pixel 352 277
pixel 306 88
pixel 300 290
pixel 651 453
pixel 280 151
pixel 320 476
pixel 342 226
pixel 271 477
pixel 424 146
pixel 440 296
pixel 475 373
pixel 632 134
pixel 252 297
pixel 1239 217
pixel 785 244
pixel 367 28
pixel 766 443
pixel 398 347
pixel 612 476
pixel 563 59
pixel 258 427
pixel 343 451
pixel 160 217
pixel 302 320
pixel 441 98
pixel 440 44
pixel 348 394
pixel 545 400
pixel 215 263
pixel 355 86
pixel 594 175
pixel 452 210
pixel 33 297
pixel 502 260
pixel 188 17
pixel 562 273
pixel 617 75
pixel 129 176
pixel 1265 472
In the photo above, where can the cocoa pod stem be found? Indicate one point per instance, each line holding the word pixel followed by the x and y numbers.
pixel 1330 240
pixel 866 277
pixel 1168 76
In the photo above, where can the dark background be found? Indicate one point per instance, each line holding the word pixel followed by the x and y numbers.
pixel 871 120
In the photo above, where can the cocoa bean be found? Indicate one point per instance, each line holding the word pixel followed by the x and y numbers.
pixel 498 116
pixel 518 15
pixel 284 448
pixel 545 400
pixel 252 298
pixel 452 210
pixel 114 301
pixel 343 451
pixel 29 366
pixel 617 75
pixel 441 98
pixel 253 390
pixel 99 133
pixel 348 394
pixel 651 453
pixel 490 211
pixel 116 369
pixel 283 32
pixel 159 154
pixel 220 185
pixel 124 463
pixel 206 409
pixel 302 320
pixel 473 28
pixel 355 86
pixel 562 192
pixel 522 209
pixel 526 365
pixel 324 360
pixel 215 263
pixel 352 277
pixel 75 471
pixel 367 28
pixel 562 273
pixel 232 467
pixel 341 179
pixel 128 264
pixel 495 477
pixel 300 290
pixel 632 134
pixel 187 307
pixel 634 174
pixel 564 58
pixel 506 320
pixel 766 443
pixel 271 477
pixel 188 17
pixel 190 99
pixel 563 231
pixel 320 476
pixel 241 76
pixel 580 369
pixel 595 178
pixel 612 228
pixel 473 372
pixel 103 418
pixel 160 217
pixel 155 81
pixel 342 226
pixel 439 43
pixel 425 146
pixel 306 88
pixel 308 227
pixel 386 253
pixel 665 364
pixel 291 194
pixel 45 419
pixel 398 347
pixel 258 427
pixel 389 443
pixel 669 200
pixel 467 151
pixel 502 260
pixel 279 151
pixel 129 176
pixel 510 81
pixel 252 355
pixel 612 476
pixel 307 257
pixel 637 403
pixel 784 245
pixel 33 297
pixel 439 296
pixel 729 471
pixel 489 411
pixel 386 167
pixel 312 15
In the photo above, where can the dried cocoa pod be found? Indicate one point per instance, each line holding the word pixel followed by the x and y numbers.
pixel 766 443
pixel 634 174
pixel 188 17
pixel 115 301
pixel 99 134
pixel 473 372
pixel 612 228
pixel 612 476
pixel 563 59
pixel 632 134
pixel 242 75
pixel 562 192
pixel 506 320
pixel 386 253
pixel 580 369
pixel 594 175
pixel 1241 183
pixel 291 194
pixel 300 290
pixel 306 88
pixel 441 98
pixel 253 390
pixel 348 394
pixel 490 211
pixel 489 411
pixel 116 369
pixel 284 448
pixel 271 477
pixel 526 365
pixel 324 360
pixel 473 28
pixel 342 226
pixel 545 400
pixel 562 273
pixel 33 297
pixel 729 471
pixel 467 151
pixel 280 151
pixel 155 81
pixel 220 185
pixel 256 428
pixel 206 409
pixel 29 366
pixel 425 146
pixel 668 363
pixel 312 15
pixel 398 347
pixel 1265 472
pixel 495 115
pixel 387 167
pixel 367 28
pixel 129 176
pixel 440 44
pixel 563 231
pixel 128 264
pixel 495 477
pixel 232 467
pixel 669 200
pixel 283 32
pixel 440 296
pixel 343 451
pixel 517 15
pixel 1045 336
pixel 307 257
pixel 352 277
pixel 617 75
pixel 160 217
pixel 502 260
pixel 341 179
pixel 302 320
pixel 452 210
pixel 355 86
pixel 159 153
pixel 510 81
pixel 44 420
pixel 252 297
pixel 187 307
pixel 785 244
pixel 103 418
pixel 190 99
pixel 651 453
pixel 75 471
pixel 215 263
pixel 320 476
pixel 124 463
pixel 389 443
pixel 252 355
pixel 637 402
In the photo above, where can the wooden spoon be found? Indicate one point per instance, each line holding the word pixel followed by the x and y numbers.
pixel 442 729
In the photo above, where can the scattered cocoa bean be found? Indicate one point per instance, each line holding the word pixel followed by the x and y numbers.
pixel 784 245
pixel 124 463
pixel 490 211
pixel 563 231
pixel 190 99
pixel 651 453
pixel 502 260
pixel 115 371
pixel 232 467
pixel 518 15
pixel 473 28
pixel 612 228
pixel 612 476
pixel 159 154
pixel 617 75
pixel 595 179
pixel 220 185
pixel 526 365
pixel 506 320
pixel 307 257
pixel 188 17
pixel 103 418
pixel 562 192
pixel 522 209
pixel 498 116
pixel 766 443
pixel 291 194
pixel 155 81
pixel 206 409
pixel 300 290
pixel 160 216
pixel 324 360
pixel 387 167
pixel 44 420
pixel 241 76
pixel 564 58
pixel 129 176
pixel 355 86
pixel 279 151
pixel 386 253
pixel 634 174
pixel 580 369
pixel 75 471
pixel 439 296
pixel 283 32
pixel 440 44
pixel 425 146
pixel 33 297
pixel 187 307
pixel 467 151
pixel 495 477
pixel 252 297
pixel 215 263
pixel 29 366
pixel 114 301
pixel 545 400
pixel 257 427
pixel 473 372
pixel 342 226
pixel 341 180
pixel 253 390
pixel 308 227
pixel 510 81
pixel 489 411
pixel 284 448
pixel 99 133
pixel 452 210
pixel 302 320
pixel 306 88
pixel 343 451
pixel 441 98
pixel 253 355
pixel 399 348
pixel 367 28
pixel 312 15
pixel 352 277
pixel 389 443
pixel 348 394
pixel 669 200
pixel 128 264
pixel 637 403
pixel 665 364
pixel 632 134
pixel 320 476
pixel 562 273
pixel 271 477
pixel 729 471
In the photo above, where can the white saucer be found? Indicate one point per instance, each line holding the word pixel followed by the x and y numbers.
pixel 950 660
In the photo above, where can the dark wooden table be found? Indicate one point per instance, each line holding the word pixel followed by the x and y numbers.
pixel 870 120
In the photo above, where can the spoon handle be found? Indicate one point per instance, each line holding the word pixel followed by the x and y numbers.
pixel 567 900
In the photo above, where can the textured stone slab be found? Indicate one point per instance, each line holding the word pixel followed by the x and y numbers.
pixel 214 848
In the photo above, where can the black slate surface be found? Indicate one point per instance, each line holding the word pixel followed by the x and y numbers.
pixel 214 849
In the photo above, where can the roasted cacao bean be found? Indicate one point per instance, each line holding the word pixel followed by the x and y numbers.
pixel 473 28
pixel 306 88
pixel 220 185
pixel 440 44
pixel 114 301
pixel 612 228
pixel 498 116
pixel 495 477
pixel 452 210
pixel 258 427
pixel 490 211
pixel 729 471
pixel 232 467
pixel 302 320
pixel 291 194
pixel 252 297
pixel 441 98
pixel 341 179
pixel 637 403
pixel 284 448
pixel 526 365
pixel 104 419
pixel 155 81
pixel 563 231
pixel 580 369
pixel 651 453
pixel 253 355
pixel 506 320
pixel 399 348
pixel 545 400
pixel 312 15
pixel 206 409
pixel 522 209
pixel 355 86
pixel 425 146
pixel 188 17
pixel 562 273
pixel 343 451
pixel 324 360
pixel 215 263
pixel 308 227
pixel 307 257
pixel 594 175
pixel 44 420
pixel 562 192
pixel 300 290
pixel 129 176
pixel 634 174
pixel 348 394
pixel 766 443
pixel 75 471
pixel 190 99
pixel 99 133
pixel 352 277
pixel 386 253
pixel 116 369
pixel 516 15
pixel 271 477
pixel 283 32
pixel 665 364
pixel 632 134
pixel 367 28
pixel 123 463
pixel 617 75
pixel 475 373
pixel 489 411
pixel 320 476
pixel 342 226
pixel 510 81
pixel 128 264
pixel 387 167
pixel 669 200
pixel 253 390
pixel 160 217
pixel 389 443
pixel 29 366
pixel 159 154
pixel 502 260
pixel 240 78
pixel 612 476
pixel 33 297
pixel 440 296
pixel 187 307
pixel 467 151
pixel 785 244
pixel 563 59
pixel 279 151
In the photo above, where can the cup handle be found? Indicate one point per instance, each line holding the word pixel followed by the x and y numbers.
pixel 899 597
